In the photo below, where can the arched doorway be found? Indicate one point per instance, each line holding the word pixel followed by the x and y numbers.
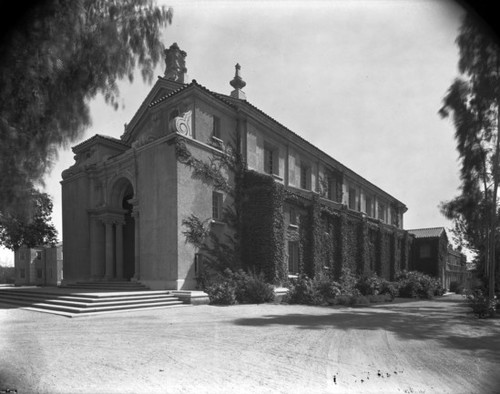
pixel 128 235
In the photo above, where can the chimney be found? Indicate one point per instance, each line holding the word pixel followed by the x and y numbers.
pixel 175 60
pixel 238 83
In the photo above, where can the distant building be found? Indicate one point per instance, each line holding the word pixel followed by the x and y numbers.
pixel 39 266
pixel 433 255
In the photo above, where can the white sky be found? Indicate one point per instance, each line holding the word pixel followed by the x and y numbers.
pixel 361 80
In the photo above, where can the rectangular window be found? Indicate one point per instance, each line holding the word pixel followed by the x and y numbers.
pixel 216 128
pixel 293 217
pixel 217 206
pixel 352 198
pixel 381 212
pixel 269 162
pixel 198 264
pixel 38 255
pixel 293 257
pixel 330 192
pixel 369 205
pixel 304 177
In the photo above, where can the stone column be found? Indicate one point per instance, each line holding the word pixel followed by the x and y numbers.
pixel 119 249
pixel 109 249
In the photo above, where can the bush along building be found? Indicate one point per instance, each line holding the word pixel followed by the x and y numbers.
pixel 200 178
pixel 433 255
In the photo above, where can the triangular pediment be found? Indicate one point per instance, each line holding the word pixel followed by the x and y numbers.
pixel 163 87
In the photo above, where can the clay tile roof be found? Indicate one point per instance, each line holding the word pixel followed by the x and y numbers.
pixel 433 232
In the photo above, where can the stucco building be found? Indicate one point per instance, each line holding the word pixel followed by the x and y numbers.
pixel 125 200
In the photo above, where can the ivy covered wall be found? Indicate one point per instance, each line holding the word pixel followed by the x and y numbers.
pixel 263 232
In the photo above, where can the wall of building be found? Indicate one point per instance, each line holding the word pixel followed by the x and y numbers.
pixel 158 201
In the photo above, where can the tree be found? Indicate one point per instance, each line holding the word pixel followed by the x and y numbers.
pixel 57 58
pixel 473 101
pixel 30 228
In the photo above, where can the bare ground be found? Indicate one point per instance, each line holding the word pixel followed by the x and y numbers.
pixel 404 347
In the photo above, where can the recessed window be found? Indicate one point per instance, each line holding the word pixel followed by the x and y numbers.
pixel 381 212
pixel 293 217
pixel 271 160
pixel 293 257
pixel 369 206
pixel 216 132
pixel 217 206
pixel 38 255
pixel 352 198
pixel 198 264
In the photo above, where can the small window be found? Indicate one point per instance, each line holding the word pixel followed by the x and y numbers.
pixel 217 206
pixel 22 273
pixel 293 257
pixel 216 128
pixel 38 255
pixel 304 177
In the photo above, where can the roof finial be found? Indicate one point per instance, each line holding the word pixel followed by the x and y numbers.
pixel 238 83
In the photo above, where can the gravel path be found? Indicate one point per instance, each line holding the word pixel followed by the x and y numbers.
pixel 404 347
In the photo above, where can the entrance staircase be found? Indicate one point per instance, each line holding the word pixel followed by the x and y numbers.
pixel 88 299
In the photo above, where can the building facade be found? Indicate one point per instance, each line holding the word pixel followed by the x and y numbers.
pixel 126 201
pixel 39 266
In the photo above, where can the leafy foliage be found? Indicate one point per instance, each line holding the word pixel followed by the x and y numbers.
pixel 473 102
pixel 240 286
pixel 482 306
pixel 30 228
pixel 414 284
pixel 52 64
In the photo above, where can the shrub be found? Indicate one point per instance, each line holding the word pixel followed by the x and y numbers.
pixel 390 289
pixel 360 300
pixel 456 287
pixel 302 291
pixel 369 285
pixel 480 303
pixel 414 284
pixel 325 289
pixel 343 299
pixel 379 298
pixel 221 293
pixel 251 288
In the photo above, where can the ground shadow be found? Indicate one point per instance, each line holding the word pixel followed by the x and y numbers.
pixel 432 320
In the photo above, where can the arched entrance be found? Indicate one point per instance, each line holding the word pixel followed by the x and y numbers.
pixel 121 217
pixel 128 234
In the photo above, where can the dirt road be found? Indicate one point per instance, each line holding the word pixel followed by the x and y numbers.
pixel 407 347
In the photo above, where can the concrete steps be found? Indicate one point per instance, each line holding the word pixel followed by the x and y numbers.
pixel 64 301
pixel 108 286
